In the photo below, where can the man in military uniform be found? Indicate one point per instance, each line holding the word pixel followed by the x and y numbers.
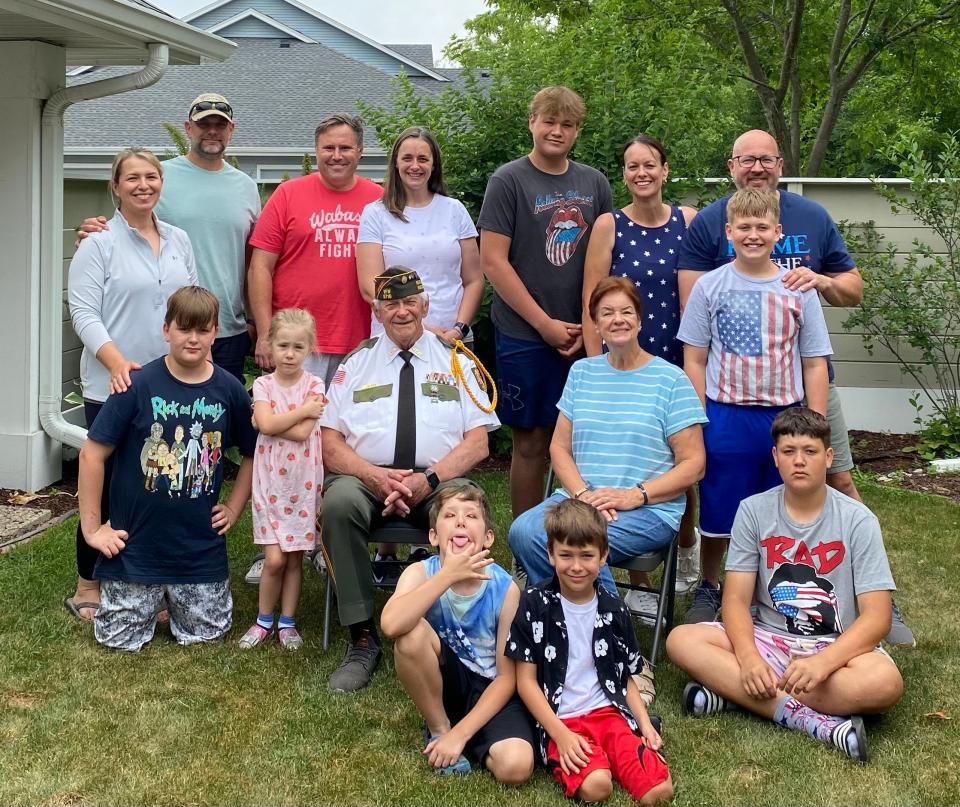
pixel 399 425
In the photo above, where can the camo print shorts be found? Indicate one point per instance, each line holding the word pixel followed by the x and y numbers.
pixel 127 617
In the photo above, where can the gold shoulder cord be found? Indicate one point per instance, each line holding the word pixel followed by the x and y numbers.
pixel 482 377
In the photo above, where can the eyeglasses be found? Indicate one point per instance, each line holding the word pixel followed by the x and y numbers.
pixel 767 160
pixel 206 106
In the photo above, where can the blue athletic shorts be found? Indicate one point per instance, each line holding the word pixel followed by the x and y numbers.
pixel 739 462
pixel 530 378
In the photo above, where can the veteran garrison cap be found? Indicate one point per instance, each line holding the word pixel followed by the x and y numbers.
pixel 396 283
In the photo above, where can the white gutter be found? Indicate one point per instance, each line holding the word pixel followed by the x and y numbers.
pixel 51 233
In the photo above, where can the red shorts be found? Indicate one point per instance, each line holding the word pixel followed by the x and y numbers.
pixel 614 747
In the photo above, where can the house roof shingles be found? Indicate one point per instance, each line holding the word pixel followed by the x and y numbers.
pixel 279 94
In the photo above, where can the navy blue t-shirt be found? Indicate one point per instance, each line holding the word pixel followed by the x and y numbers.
pixel 170 439
pixel 810 238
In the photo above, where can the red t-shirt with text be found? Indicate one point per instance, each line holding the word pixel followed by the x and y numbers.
pixel 313 230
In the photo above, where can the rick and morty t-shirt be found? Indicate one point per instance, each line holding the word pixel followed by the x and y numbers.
pixel 170 438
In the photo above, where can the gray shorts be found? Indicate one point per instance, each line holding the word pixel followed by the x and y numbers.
pixel 839 437
pixel 127 617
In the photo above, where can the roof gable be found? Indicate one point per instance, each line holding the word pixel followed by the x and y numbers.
pixel 311 24
pixel 251 23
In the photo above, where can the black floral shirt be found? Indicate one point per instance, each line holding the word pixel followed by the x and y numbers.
pixel 538 636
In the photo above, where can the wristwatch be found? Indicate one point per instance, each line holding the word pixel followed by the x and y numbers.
pixel 432 479
pixel 463 328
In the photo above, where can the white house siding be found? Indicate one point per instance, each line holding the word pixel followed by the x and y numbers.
pixel 874 389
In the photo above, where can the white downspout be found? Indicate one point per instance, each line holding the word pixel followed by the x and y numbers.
pixel 51 233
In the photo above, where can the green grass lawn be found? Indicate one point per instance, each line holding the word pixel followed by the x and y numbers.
pixel 217 725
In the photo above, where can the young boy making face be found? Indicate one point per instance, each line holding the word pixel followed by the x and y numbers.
pixel 450 616
pixel 574 640
pixel 812 562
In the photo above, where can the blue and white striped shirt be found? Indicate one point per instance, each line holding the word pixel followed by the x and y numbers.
pixel 621 421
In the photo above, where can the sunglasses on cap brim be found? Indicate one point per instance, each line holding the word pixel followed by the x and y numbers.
pixel 216 106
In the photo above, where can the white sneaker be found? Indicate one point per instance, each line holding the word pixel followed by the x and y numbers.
pixel 688 566
pixel 643 605
pixel 316 560
pixel 254 572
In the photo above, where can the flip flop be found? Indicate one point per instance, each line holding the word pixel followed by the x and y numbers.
pixel 75 608
pixel 460 767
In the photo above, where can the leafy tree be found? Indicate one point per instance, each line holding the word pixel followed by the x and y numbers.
pixel 633 78
pixel 783 53
pixel 803 59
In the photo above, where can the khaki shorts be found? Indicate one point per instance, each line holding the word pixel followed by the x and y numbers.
pixel 839 437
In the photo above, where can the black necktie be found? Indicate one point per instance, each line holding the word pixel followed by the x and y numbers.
pixel 405 453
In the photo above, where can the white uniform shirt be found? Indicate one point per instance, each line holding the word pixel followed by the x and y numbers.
pixel 363 400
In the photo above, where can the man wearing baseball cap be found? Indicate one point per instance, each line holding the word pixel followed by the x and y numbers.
pixel 216 205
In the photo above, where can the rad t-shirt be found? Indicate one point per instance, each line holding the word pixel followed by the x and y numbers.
pixel 313 230
pixel 170 438
pixel 808 575
pixel 548 218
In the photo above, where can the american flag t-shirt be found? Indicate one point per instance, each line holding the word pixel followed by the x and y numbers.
pixel 759 357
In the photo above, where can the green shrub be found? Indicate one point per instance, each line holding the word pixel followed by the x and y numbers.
pixel 911 303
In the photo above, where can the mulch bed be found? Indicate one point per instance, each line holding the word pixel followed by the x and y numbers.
pixel 886 456
pixel 876 453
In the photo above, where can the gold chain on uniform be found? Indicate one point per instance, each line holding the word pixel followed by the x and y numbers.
pixel 460 377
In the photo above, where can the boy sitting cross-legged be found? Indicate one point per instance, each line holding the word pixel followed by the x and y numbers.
pixel 812 562
pixel 450 616
pixel 577 652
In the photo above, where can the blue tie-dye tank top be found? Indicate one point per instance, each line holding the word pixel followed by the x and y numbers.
pixel 468 625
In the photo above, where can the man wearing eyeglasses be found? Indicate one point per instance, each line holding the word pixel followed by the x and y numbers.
pixel 217 205
pixel 814 255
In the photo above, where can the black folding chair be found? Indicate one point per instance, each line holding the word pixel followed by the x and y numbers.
pixel 392 531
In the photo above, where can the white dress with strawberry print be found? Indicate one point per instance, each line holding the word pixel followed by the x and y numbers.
pixel 287 475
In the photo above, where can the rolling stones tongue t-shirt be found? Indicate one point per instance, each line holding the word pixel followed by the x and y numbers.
pixel 548 219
